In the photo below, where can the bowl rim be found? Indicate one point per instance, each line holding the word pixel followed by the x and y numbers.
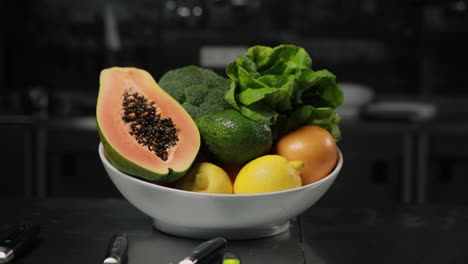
pixel 135 179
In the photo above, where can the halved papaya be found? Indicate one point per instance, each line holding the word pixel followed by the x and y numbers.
pixel 145 132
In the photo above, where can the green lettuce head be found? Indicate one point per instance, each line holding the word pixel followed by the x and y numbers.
pixel 278 86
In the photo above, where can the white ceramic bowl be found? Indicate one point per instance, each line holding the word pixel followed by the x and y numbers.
pixel 233 216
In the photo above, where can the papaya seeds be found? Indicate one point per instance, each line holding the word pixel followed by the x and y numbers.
pixel 147 126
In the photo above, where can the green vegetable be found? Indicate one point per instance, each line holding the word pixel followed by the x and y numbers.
pixel 278 86
pixel 231 137
pixel 199 91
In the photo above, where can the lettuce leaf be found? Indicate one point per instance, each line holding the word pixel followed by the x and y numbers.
pixel 277 86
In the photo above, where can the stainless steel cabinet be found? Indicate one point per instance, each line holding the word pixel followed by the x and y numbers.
pixel 73 167
pixel 447 162
pixel 16 157
pixel 378 165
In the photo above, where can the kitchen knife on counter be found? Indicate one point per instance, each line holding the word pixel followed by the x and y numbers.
pixel 205 250
pixel 18 240
pixel 117 248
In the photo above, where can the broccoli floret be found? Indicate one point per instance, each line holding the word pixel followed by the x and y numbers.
pixel 196 94
pixel 193 110
pixel 200 91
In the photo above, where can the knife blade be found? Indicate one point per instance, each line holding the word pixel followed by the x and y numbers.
pixel 117 248
pixel 17 241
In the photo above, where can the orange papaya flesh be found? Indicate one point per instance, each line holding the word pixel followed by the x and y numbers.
pixel 145 132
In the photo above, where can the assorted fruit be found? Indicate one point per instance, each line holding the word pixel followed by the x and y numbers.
pixel 270 126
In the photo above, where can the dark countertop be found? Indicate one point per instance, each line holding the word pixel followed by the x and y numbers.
pixel 410 234
pixel 77 231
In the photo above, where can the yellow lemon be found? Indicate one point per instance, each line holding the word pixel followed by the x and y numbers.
pixel 207 178
pixel 268 173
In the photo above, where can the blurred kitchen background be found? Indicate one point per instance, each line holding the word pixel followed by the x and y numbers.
pixel 402 65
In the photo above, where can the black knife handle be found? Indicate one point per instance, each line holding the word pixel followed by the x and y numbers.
pixel 209 247
pixel 20 237
pixel 117 247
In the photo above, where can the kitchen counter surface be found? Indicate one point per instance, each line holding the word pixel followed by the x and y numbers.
pixel 77 231
pixel 406 234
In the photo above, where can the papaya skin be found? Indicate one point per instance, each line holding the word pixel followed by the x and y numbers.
pixel 123 164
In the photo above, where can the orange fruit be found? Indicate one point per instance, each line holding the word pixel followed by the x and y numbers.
pixel 315 146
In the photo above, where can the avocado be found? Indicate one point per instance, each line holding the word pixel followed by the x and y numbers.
pixel 230 137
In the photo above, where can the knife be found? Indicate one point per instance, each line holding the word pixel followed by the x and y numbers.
pixel 205 250
pixel 19 238
pixel 117 248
